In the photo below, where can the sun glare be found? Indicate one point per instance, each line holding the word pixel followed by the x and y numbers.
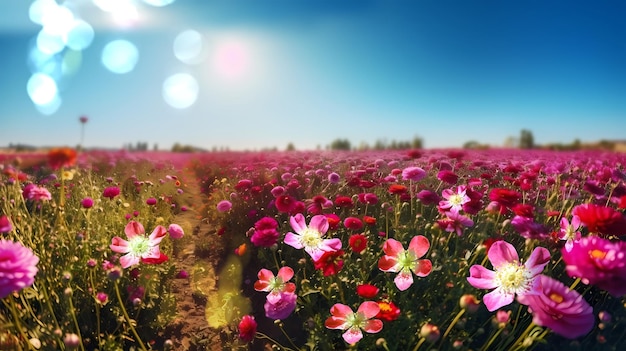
pixel 232 59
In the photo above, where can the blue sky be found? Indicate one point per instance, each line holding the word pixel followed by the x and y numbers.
pixel 308 72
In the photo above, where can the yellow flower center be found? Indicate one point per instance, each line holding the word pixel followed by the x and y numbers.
pixel 384 307
pixel 139 245
pixel 556 297
pixel 456 200
pixel 597 254
pixel 311 238
pixel 513 278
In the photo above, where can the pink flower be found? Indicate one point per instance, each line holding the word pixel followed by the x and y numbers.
pixel 224 206
pixel 310 238
pixel 87 202
pixel 569 232
pixel 318 204
pixel 283 306
pixel 447 176
pixel 247 328
pixel 600 262
pixel 265 232
pixel 455 222
pixel 36 193
pixel 342 317
pixel 454 200
pixel 5 224
pixel 111 192
pixel 353 223
pixel 18 267
pixel 413 173
pixel 138 246
pixel 275 285
pixel 563 310
pixel 401 261
pixel 175 231
pixel 151 201
pixel 510 277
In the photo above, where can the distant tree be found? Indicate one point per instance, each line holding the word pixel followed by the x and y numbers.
pixel 526 140
pixel 511 142
pixel 472 144
pixel 290 147
pixel 363 146
pixel 417 143
pixel 380 145
pixel 340 144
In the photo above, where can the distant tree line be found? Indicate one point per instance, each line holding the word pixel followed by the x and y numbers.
pixel 344 144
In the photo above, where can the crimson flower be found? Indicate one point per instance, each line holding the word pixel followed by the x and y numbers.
pixel 330 263
pixel 353 223
pixel 601 219
pixel 505 197
pixel 247 328
pixel 61 157
pixel 265 232
pixel 388 311
pixel 367 291
pixel 358 242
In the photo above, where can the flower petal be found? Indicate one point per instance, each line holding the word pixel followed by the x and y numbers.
pixel 335 323
pixel 134 228
pixel 298 223
pixel 369 309
pixel 388 264
pixel 419 245
pixel 353 335
pixel 129 260
pixel 319 223
pixel 538 259
pixel 422 268
pixel 404 279
pixel 157 235
pixel 497 299
pixel 481 277
pixel 373 326
pixel 392 247
pixel 119 245
pixel 331 245
pixel 293 240
pixel 502 253
pixel 340 310
pixel 285 273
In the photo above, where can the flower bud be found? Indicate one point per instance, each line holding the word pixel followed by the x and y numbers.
pixel 430 332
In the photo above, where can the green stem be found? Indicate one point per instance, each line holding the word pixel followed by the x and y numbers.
pixel 73 313
pixel 280 326
pixel 491 340
pixel 128 320
pixel 454 321
pixel 518 344
pixel 18 325
pixel 264 336
pixel 419 343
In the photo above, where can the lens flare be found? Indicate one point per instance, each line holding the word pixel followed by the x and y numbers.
pixel 120 56
pixel 180 90
pixel 188 47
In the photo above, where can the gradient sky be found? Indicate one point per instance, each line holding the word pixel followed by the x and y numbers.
pixel 309 72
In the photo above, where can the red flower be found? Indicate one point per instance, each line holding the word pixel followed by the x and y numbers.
pixel 397 189
pixel 358 242
pixel 353 223
pixel 344 201
pixel 61 157
pixel 601 219
pixel 388 311
pixel 447 176
pixel 162 258
pixel 289 204
pixel 369 220
pixel 330 263
pixel 524 210
pixel 505 197
pixel 247 328
pixel 333 220
pixel 367 291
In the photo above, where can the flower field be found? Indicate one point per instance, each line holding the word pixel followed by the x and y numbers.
pixel 389 250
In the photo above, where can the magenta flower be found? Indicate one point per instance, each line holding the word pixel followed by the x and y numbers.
pixel 275 285
pixel 87 202
pixel 18 267
pixel 403 262
pixel 111 192
pixel 5 224
pixel 510 277
pixel 283 306
pixel 36 193
pixel 310 238
pixel 265 232
pixel 600 262
pixel 175 231
pixel 454 200
pixel 569 232
pixel 455 222
pixel 138 246
pixel 563 310
pixel 224 206
pixel 247 328
pixel 342 317
pixel 151 201
pixel 413 173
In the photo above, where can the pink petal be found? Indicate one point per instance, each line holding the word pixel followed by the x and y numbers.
pixel 133 229
pixel 482 278
pixel 319 223
pixel 153 252
pixel 340 310
pixel 392 247
pixel 575 221
pixel 496 299
pixel 331 245
pixel 502 253
pixel 314 252
pixel 335 323
pixel 388 264
pixel 369 309
pixel 422 268
pixel 403 280
pixel 293 240
pixel 119 245
pixel 419 245
pixel 353 335
pixel 285 273
pixel 538 259
pixel 373 326
pixel 289 288
pixel 298 223
pixel 157 235
pixel 274 297
pixel 129 260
